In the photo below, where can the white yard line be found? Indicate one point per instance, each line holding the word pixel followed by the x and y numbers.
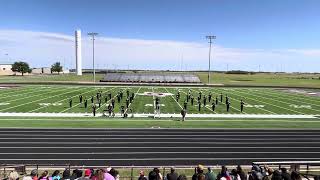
pixel 134 97
pixel 37 100
pixel 289 98
pixel 108 100
pixel 17 92
pixel 299 95
pixel 79 103
pixel 36 94
pixel 230 106
pixel 58 101
pixel 252 99
pixel 205 106
pixel 267 102
pixel 174 99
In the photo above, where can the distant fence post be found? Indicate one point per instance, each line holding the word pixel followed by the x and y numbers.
pixel 4 172
pixel 131 173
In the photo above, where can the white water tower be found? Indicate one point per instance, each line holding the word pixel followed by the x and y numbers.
pixel 78 52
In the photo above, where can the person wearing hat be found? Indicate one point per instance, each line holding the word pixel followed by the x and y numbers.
pixel 172 175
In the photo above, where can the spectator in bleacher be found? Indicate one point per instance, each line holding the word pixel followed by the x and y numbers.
pixel 284 174
pixel 224 174
pixel 33 175
pixel 107 175
pixel 55 175
pixel 99 175
pixel 210 175
pixel 295 175
pixel 198 172
pixel 234 175
pixel 241 173
pixel 172 175
pixel 142 176
pixel 269 173
pixel 276 175
pixel 158 173
pixel 76 174
pixel 13 175
pixel 114 173
pixel 44 176
pixel 256 173
pixel 182 177
pixel 87 175
pixel 66 175
pixel 153 176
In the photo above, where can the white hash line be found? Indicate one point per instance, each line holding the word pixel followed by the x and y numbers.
pixel 57 101
pixel 290 97
pixel 36 100
pixel 17 92
pixel 224 103
pixel 287 99
pixel 270 103
pixel 266 103
pixel 36 94
pixel 94 89
pixel 252 99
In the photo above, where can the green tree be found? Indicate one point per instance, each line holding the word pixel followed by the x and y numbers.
pixel 56 67
pixel 21 67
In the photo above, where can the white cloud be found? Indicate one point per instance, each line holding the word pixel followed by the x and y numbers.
pixel 43 48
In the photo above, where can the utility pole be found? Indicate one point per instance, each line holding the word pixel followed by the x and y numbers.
pixel 93 34
pixel 210 42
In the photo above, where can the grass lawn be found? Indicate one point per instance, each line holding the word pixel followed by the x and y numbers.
pixel 45 122
pixel 263 79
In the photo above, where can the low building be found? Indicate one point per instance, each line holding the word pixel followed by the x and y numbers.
pixel 47 70
pixel 5 69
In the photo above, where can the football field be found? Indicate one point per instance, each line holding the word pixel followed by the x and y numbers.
pixel 55 99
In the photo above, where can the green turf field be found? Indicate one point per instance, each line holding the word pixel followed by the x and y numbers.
pixel 55 99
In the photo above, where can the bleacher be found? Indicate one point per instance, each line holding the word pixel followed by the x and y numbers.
pixel 151 78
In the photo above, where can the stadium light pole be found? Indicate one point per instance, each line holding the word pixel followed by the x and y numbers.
pixel 210 42
pixel 93 34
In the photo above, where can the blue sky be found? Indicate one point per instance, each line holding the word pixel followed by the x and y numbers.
pixel 277 35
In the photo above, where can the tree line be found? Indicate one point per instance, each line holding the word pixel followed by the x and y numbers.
pixel 23 67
